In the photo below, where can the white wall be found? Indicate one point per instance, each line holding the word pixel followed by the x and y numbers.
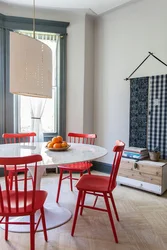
pixel 122 40
pixel 75 76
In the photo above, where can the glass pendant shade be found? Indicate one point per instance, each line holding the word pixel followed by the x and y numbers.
pixel 30 67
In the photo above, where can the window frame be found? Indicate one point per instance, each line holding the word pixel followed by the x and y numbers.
pixel 7 107
pixel 55 89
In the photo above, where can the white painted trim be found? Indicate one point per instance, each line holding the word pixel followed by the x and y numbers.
pixel 140 185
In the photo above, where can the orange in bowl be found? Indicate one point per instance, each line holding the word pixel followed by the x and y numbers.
pixel 60 138
pixel 50 145
pixel 55 139
pixel 64 144
pixel 57 145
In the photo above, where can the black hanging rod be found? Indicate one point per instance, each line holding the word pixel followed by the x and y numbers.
pixel 150 54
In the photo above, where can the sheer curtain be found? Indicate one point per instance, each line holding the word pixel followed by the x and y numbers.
pixel 37 108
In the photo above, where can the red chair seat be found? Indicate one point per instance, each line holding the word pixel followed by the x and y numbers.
pixel 40 197
pixel 79 166
pixel 20 169
pixel 94 183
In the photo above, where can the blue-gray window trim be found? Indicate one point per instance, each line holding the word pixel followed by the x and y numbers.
pixel 8 23
pixel 12 23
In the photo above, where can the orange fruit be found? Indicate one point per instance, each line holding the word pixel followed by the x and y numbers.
pixel 57 145
pixel 55 139
pixel 64 144
pixel 60 138
pixel 50 145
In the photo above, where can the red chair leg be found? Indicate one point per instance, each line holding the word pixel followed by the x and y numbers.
pixel 71 180
pixel 76 212
pixel 59 185
pixel 114 206
pixel 94 204
pixel 89 171
pixel 82 203
pixel 110 217
pixel 6 227
pixel 32 232
pixel 44 224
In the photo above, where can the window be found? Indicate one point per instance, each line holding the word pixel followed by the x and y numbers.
pixel 49 118
pixel 9 112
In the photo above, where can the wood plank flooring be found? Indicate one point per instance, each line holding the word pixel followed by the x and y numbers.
pixel 142 226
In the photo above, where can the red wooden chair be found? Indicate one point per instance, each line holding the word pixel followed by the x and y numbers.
pixel 17 138
pixel 80 167
pixel 100 186
pixel 22 202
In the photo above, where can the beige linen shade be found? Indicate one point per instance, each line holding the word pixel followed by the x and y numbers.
pixel 30 67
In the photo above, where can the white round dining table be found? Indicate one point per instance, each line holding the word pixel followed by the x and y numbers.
pixel 77 152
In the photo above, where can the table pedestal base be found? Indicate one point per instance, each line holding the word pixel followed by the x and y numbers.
pixel 54 214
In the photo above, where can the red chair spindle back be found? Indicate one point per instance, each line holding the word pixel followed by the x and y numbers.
pixel 18 137
pixel 13 198
pixel 118 149
pixel 82 138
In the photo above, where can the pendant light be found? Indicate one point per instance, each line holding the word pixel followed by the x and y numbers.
pixel 30 65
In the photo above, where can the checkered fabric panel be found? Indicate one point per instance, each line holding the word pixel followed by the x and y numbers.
pixel 157 115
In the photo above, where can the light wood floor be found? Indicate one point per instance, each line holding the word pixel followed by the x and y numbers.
pixel 142 226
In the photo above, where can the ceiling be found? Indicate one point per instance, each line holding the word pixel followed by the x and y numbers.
pixel 97 7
